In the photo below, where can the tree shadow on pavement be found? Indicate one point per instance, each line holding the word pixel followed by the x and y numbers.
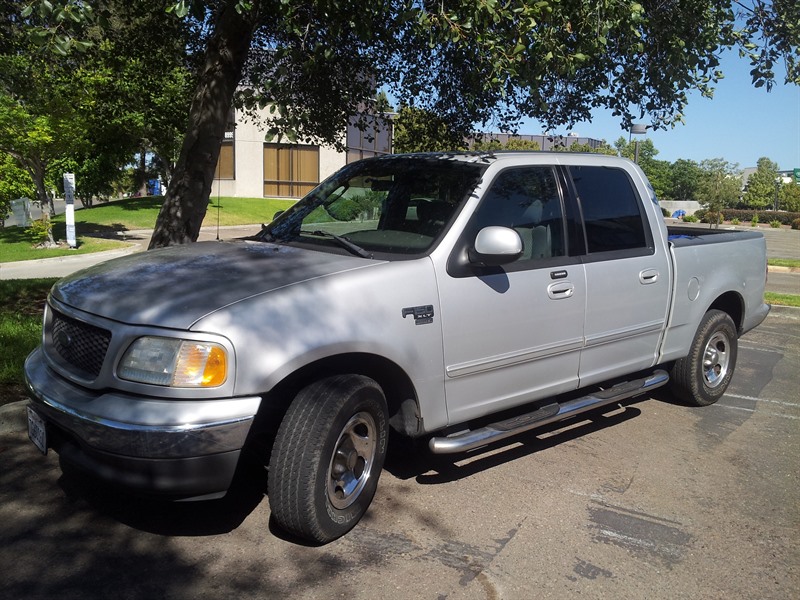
pixel 412 459
pixel 164 517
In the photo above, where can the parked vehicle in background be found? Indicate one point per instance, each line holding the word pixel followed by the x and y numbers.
pixel 461 298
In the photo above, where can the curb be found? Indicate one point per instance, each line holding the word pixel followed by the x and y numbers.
pixel 13 417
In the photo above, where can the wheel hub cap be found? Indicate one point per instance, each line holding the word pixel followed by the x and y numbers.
pixel 352 460
pixel 716 360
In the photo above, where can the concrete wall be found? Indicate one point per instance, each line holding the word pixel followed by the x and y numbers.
pixel 690 206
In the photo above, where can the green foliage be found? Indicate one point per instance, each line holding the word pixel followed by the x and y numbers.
pixel 14 183
pixel 684 179
pixel 21 306
pixel 468 62
pixel 712 218
pixel 789 197
pixel 417 130
pixel 775 224
pixel 363 206
pixel 735 221
pixel 690 219
pixel 719 184
pixel 796 223
pixel 769 32
pixel 754 220
pixel 762 186
pixel 40 230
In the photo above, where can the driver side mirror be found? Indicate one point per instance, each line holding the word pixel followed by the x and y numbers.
pixel 495 246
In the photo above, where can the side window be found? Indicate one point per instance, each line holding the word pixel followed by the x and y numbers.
pixel 527 200
pixel 611 209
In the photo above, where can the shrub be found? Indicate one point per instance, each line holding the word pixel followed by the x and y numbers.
pixel 744 215
pixel 735 221
pixel 796 224
pixel 40 230
pixel 754 220
pixel 775 224
pixel 713 217
pixel 665 212
pixel 690 219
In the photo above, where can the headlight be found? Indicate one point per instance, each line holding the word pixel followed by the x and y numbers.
pixel 176 363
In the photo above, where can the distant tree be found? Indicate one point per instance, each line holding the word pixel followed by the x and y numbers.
pixel 790 197
pixel 14 183
pixel 483 144
pixel 684 179
pixel 762 186
pixel 516 143
pixel 657 171
pixel 720 185
pixel 418 130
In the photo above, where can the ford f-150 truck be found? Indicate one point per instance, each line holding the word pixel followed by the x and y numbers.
pixel 454 298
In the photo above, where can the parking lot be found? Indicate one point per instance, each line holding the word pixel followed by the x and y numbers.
pixel 649 500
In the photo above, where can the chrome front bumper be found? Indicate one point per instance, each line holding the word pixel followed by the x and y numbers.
pixel 139 427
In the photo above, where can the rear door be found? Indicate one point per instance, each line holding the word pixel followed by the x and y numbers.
pixel 627 275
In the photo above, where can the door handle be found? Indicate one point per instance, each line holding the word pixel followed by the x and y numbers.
pixel 648 276
pixel 560 290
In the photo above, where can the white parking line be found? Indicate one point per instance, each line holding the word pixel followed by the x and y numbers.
pixel 761 412
pixel 770 400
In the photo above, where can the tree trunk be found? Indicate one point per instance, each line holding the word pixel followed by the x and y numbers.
pixel 187 195
pixel 37 172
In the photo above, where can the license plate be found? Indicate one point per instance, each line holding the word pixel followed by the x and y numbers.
pixel 37 430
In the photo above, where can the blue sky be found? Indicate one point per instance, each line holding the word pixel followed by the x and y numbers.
pixel 740 124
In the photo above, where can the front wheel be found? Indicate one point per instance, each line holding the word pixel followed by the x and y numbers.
pixel 328 456
pixel 702 377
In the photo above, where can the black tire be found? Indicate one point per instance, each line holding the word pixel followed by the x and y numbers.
pixel 327 457
pixel 702 377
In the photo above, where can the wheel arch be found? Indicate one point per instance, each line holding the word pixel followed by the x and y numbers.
pixel 400 393
pixel 731 303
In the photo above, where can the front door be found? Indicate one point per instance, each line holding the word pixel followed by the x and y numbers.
pixel 513 334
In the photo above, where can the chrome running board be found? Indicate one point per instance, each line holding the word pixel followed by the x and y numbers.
pixel 469 440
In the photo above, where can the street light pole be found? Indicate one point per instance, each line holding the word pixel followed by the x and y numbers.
pixel 638 129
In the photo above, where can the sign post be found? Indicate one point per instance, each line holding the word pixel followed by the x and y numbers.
pixel 69 214
pixel 796 173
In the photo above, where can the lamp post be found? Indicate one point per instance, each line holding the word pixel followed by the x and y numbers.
pixel 637 129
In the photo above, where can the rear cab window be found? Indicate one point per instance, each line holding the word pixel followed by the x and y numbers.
pixel 612 212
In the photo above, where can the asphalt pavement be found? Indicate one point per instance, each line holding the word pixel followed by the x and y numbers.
pixel 650 500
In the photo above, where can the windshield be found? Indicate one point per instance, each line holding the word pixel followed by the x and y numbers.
pixel 391 205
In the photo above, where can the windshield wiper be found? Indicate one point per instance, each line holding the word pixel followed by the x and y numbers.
pixel 343 242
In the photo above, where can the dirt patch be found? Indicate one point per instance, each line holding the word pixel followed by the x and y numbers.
pixel 12 392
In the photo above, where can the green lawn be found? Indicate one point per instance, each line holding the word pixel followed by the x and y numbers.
pixel 98 228
pixel 21 305
pixel 783 262
pixel 782 299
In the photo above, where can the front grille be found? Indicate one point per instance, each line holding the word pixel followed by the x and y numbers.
pixel 82 345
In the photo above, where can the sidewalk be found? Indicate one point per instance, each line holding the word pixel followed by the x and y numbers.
pixel 139 240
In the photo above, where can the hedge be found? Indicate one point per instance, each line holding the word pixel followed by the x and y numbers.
pixel 746 215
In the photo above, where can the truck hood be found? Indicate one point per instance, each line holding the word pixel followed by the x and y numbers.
pixel 174 287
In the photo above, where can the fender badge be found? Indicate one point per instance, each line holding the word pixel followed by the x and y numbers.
pixel 422 314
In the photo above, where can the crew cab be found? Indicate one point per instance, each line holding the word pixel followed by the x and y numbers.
pixel 457 299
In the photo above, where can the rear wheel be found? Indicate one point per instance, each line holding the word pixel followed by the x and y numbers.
pixel 328 456
pixel 702 377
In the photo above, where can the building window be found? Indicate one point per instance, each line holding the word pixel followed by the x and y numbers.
pixel 290 170
pixel 375 140
pixel 226 163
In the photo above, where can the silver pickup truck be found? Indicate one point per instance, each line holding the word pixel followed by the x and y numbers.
pixel 455 298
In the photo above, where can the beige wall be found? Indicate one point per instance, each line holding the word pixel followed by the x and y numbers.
pixel 249 160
